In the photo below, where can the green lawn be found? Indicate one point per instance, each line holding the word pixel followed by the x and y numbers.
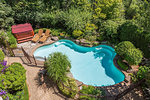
pixel 122 65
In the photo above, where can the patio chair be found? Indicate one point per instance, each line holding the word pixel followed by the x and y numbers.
pixel 37 36
pixel 45 36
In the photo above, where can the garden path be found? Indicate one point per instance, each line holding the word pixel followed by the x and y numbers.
pixel 37 91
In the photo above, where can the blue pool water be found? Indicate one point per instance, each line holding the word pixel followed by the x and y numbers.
pixel 90 65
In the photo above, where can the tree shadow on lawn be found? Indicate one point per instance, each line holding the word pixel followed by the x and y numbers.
pixel 44 82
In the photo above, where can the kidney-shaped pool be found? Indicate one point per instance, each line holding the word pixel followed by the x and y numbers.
pixel 90 65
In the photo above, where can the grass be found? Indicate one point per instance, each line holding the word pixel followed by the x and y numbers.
pixel 122 65
pixel 26 93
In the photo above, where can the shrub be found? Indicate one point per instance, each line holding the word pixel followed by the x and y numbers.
pixel 122 64
pixel 56 32
pixel 91 37
pixel 90 29
pixel 11 40
pixel 90 90
pixel 142 73
pixel 57 65
pixel 133 56
pixel 123 47
pixel 77 33
pixel 2 56
pixel 14 78
pixel 70 83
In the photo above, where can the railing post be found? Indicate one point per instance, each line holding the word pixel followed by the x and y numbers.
pixel 26 55
pixel 34 60
pixel 45 58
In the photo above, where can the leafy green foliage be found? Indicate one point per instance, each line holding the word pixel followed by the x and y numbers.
pixel 6 16
pixel 127 50
pixel 27 11
pixel 133 9
pixel 110 29
pixel 130 31
pixel 66 4
pixel 57 65
pixel 122 64
pixel 75 19
pixel 70 83
pixel 142 72
pixel 49 19
pixel 17 96
pixel 133 56
pixel 148 79
pixel 2 56
pixel 90 90
pixel 123 47
pixel 11 40
pixel 143 18
pixel 14 78
pixel 90 29
pixel 108 9
pixel 77 33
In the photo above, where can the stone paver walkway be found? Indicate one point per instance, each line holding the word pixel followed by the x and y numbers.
pixel 36 91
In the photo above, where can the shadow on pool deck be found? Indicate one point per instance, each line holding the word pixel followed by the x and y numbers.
pixel 44 82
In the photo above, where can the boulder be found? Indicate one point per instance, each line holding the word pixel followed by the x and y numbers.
pixel 77 41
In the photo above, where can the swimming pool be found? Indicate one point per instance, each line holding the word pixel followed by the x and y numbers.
pixel 90 65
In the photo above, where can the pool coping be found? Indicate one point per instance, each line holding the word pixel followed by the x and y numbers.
pixel 114 62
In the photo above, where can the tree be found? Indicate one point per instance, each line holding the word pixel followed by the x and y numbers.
pixel 67 4
pixel 109 28
pixel 75 19
pixel 123 47
pixel 57 66
pixel 27 11
pixel 133 56
pixel 133 9
pixel 108 9
pixel 6 16
pixel 143 18
pixel 130 31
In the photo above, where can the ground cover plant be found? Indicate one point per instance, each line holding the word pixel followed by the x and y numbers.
pixel 122 65
pixel 90 90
